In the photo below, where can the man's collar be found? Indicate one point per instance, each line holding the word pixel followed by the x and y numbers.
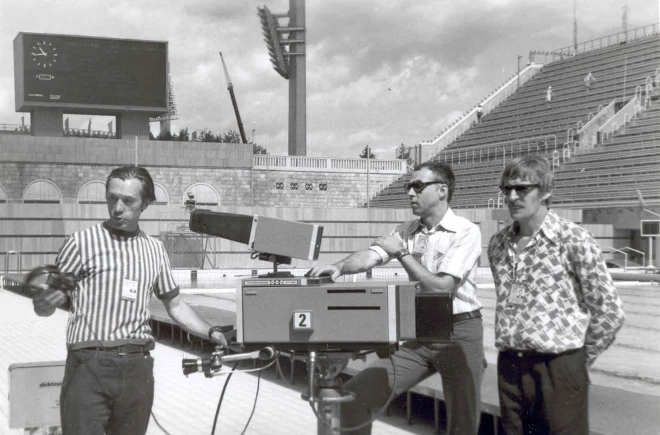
pixel 120 233
pixel 549 228
pixel 447 223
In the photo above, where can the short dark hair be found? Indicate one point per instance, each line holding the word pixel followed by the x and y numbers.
pixel 532 168
pixel 442 172
pixel 137 173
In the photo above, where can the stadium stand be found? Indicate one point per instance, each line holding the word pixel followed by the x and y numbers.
pixel 586 178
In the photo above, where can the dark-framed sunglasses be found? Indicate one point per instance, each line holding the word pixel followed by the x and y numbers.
pixel 520 189
pixel 418 186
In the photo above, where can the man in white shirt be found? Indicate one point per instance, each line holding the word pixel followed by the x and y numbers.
pixel 441 251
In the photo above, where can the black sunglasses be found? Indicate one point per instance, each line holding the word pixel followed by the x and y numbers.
pixel 521 189
pixel 418 186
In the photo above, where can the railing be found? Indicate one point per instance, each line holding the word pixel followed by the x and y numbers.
pixel 15 128
pixel 638 252
pixel 328 164
pixel 82 132
pixel 619 118
pixel 437 144
pixel 486 153
pixel 588 134
pixel 19 265
pixel 625 256
pixel 606 41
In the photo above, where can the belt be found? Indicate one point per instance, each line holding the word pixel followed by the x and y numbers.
pixel 125 349
pixel 466 316
pixel 531 353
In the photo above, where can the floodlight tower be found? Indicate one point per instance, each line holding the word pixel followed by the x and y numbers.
pixel 290 64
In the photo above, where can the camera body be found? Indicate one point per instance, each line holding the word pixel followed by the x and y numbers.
pixel 304 314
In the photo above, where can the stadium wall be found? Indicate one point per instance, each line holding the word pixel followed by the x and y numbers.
pixel 38 230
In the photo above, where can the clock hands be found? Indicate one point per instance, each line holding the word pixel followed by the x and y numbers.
pixel 43 53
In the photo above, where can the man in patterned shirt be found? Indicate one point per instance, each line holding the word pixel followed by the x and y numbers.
pixel 441 251
pixel 108 384
pixel 557 308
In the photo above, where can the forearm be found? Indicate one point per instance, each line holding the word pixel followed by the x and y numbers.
pixel 187 318
pixel 357 262
pixel 429 283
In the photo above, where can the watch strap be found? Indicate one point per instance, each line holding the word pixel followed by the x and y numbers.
pixel 401 253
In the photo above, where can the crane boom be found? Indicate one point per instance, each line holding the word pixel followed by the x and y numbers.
pixel 230 88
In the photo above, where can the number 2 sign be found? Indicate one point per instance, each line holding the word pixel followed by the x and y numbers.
pixel 302 320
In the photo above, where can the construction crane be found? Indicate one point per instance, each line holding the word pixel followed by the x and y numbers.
pixel 230 88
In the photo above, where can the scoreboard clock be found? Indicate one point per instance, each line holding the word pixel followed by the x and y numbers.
pixel 90 74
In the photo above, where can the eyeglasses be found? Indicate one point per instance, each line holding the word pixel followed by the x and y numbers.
pixel 418 186
pixel 521 189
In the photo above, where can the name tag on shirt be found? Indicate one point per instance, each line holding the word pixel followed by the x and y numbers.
pixel 129 290
pixel 517 295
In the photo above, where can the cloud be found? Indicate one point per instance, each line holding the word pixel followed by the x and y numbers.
pixel 382 72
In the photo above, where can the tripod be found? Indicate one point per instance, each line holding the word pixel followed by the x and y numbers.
pixel 325 389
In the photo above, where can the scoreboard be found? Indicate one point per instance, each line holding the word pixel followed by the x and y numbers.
pixel 90 74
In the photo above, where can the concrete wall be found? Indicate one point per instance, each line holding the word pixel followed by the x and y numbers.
pixel 38 230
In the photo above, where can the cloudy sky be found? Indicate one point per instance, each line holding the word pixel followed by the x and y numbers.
pixel 379 72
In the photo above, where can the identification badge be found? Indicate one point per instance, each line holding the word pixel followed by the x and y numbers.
pixel 517 295
pixel 129 290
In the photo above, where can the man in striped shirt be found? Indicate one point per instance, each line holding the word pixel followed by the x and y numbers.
pixel 441 251
pixel 557 308
pixel 108 384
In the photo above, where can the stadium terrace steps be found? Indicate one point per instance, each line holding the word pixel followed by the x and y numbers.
pixel 607 174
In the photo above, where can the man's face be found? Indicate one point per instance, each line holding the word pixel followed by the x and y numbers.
pixel 124 199
pixel 524 199
pixel 423 203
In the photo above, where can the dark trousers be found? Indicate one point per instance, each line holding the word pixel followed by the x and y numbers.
pixel 461 366
pixel 543 393
pixel 106 392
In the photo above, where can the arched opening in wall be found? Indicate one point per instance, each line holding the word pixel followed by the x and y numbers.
pixel 3 194
pixel 42 192
pixel 162 198
pixel 92 192
pixel 203 194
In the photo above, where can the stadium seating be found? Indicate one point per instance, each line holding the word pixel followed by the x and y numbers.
pixel 603 176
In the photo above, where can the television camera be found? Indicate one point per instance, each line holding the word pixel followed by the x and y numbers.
pixel 330 322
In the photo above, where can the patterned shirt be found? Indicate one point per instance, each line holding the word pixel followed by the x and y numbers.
pixel 555 295
pixel 117 275
pixel 453 247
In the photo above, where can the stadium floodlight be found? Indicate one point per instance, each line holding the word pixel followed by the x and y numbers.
pixel 269 27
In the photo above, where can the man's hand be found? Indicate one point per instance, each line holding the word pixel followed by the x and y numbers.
pixel 48 300
pixel 219 338
pixel 390 244
pixel 331 270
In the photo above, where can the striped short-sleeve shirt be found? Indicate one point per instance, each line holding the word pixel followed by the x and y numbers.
pixel 107 264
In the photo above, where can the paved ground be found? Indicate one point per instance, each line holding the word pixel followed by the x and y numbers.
pixel 187 405
pixel 183 406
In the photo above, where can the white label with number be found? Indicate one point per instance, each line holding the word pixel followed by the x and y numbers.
pixel 302 320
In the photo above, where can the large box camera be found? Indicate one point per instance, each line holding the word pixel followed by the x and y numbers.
pixel 304 314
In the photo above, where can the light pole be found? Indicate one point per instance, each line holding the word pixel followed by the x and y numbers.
pixel 517 99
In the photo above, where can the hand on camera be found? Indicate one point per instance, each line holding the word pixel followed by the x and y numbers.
pixel 219 339
pixel 330 270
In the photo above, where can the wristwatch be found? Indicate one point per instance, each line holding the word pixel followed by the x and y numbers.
pixel 401 253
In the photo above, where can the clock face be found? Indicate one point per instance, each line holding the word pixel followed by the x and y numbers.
pixel 44 54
